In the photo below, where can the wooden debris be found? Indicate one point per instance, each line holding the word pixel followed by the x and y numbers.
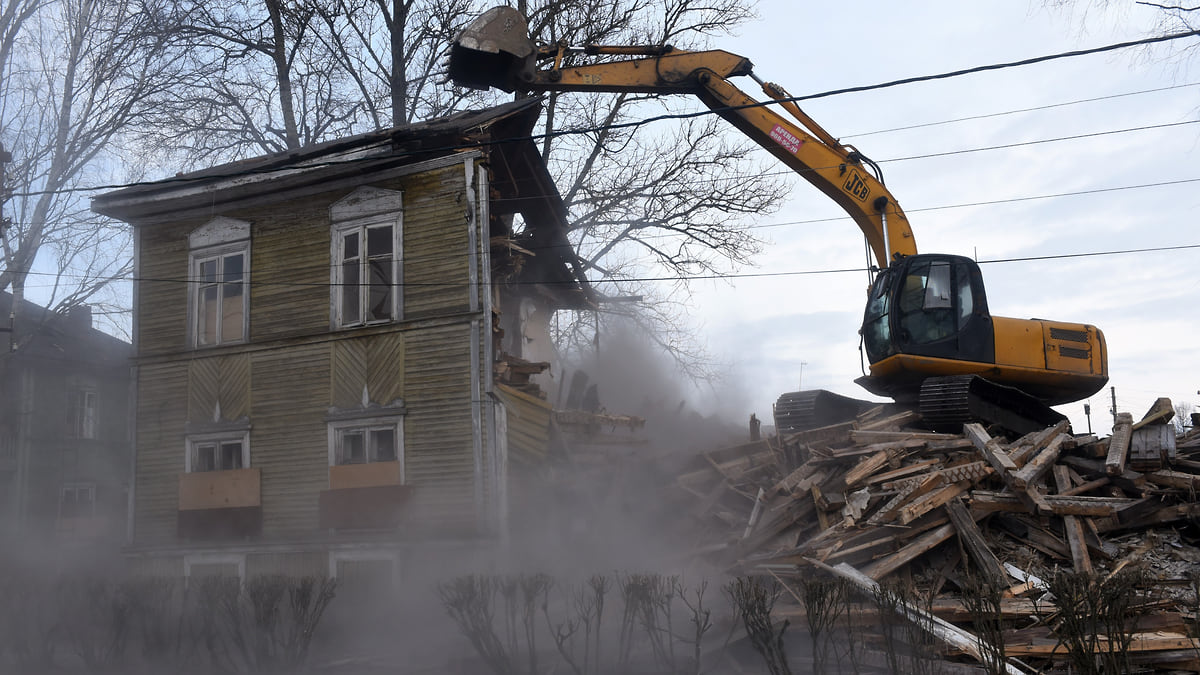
pixel 881 495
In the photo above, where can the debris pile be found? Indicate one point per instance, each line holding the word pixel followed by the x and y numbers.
pixel 877 500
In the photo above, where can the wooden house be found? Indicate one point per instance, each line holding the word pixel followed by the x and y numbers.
pixel 65 445
pixel 319 336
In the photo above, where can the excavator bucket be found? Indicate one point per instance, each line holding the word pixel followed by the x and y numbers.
pixel 493 51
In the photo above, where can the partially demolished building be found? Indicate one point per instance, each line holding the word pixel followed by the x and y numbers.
pixel 321 339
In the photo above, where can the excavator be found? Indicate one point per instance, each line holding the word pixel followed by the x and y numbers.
pixel 928 335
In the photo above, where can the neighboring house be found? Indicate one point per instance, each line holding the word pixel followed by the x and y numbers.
pixel 318 338
pixel 65 445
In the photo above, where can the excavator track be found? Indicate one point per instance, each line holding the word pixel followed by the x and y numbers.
pixel 801 410
pixel 947 403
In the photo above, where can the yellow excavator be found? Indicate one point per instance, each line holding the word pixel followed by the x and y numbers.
pixel 927 331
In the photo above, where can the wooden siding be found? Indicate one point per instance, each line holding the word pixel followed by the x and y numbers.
pixel 289 269
pixel 161 415
pixel 288 440
pixel 162 316
pixel 436 250
pixel 528 420
pixel 438 433
pixel 219 380
pixel 376 362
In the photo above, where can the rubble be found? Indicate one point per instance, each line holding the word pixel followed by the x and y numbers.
pixel 879 500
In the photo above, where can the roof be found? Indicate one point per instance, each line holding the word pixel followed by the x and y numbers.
pixel 62 337
pixel 501 132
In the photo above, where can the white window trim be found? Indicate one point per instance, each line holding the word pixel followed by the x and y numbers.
pixel 391 557
pixel 195 439
pixel 218 237
pixel 395 421
pixel 363 208
pixel 238 559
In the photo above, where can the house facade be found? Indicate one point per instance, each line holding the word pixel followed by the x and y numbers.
pixel 65 446
pixel 319 336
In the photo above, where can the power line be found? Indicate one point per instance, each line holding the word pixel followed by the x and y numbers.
pixel 649 120
pixel 690 277
pixel 1016 111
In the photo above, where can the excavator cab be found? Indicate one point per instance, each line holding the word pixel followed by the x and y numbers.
pixel 929 305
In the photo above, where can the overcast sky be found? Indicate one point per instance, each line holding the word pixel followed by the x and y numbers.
pixel 770 330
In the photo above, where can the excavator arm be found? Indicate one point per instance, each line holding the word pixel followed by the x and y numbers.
pixel 494 52
pixel 927 330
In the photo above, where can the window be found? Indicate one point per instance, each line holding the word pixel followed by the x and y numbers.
pixel 220 266
pixel 364 444
pixel 220 299
pixel 367 269
pixel 366 258
pixel 81 413
pixel 213 453
pixel 76 500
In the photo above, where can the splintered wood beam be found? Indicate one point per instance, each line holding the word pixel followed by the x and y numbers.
pixel 867 437
pixel 1175 479
pixel 1098 507
pixel 931 501
pixel 991 449
pixel 972 539
pixel 1033 441
pixel 913 489
pixel 1086 487
pixel 1072 526
pixel 973 471
pixel 903 472
pixel 869 465
pixel 1118 445
pixel 1041 463
pixel 910 552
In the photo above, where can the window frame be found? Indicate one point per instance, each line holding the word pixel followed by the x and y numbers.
pixel 219 252
pixel 337 428
pixel 90 488
pixel 85 419
pixel 361 226
pixel 217 438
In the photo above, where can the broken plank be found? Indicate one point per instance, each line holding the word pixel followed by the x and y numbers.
pixel 931 501
pixel 1174 479
pixel 990 447
pixel 1040 464
pixel 1100 507
pixel 1073 528
pixel 867 437
pixel 972 539
pixel 910 552
pixel 868 465
pixel 1118 444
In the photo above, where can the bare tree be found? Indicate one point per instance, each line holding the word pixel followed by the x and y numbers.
pixel 76 75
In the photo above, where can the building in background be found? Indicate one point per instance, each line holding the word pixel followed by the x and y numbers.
pixel 65 444
pixel 321 337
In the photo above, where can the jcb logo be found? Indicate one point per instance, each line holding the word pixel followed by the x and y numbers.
pixel 857 186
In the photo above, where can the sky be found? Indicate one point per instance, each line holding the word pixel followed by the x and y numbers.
pixel 781 333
